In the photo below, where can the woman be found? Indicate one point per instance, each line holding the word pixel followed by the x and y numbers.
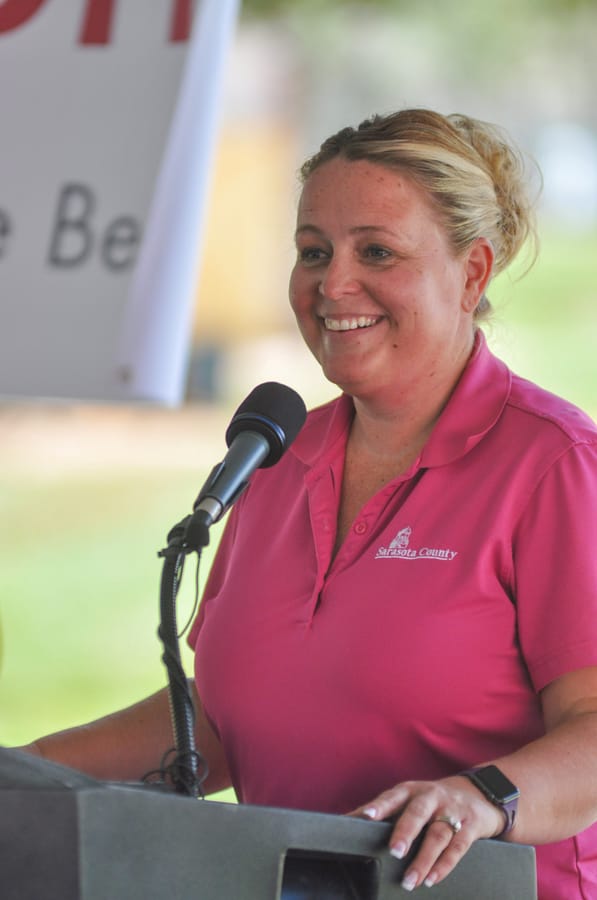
pixel 401 620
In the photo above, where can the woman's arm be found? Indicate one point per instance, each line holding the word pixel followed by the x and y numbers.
pixel 556 776
pixel 127 744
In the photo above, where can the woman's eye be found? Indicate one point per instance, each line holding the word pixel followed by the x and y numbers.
pixel 312 255
pixel 374 251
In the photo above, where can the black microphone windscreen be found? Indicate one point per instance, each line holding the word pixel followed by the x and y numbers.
pixel 273 410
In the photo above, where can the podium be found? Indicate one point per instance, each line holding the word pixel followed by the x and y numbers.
pixel 64 836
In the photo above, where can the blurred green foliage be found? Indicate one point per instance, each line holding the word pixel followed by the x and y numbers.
pixel 545 324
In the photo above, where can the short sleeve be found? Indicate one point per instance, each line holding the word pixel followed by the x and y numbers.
pixel 555 564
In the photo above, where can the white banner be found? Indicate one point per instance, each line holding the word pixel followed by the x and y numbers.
pixel 109 113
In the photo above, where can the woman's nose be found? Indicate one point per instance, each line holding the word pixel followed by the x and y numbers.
pixel 339 279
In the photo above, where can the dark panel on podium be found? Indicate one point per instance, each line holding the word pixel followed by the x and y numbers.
pixel 64 836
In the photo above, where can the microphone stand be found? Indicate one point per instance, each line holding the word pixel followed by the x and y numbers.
pixel 188 769
pixel 260 431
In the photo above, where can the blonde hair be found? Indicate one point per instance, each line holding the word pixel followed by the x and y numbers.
pixel 474 175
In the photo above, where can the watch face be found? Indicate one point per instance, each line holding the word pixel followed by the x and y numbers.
pixel 496 782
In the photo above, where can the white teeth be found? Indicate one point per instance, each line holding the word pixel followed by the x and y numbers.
pixel 349 324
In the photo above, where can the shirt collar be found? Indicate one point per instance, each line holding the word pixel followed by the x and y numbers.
pixel 474 407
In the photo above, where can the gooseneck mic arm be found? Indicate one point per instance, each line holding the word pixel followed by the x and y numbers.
pixel 186 770
pixel 261 430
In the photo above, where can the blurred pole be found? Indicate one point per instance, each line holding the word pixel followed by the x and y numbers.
pixel 157 320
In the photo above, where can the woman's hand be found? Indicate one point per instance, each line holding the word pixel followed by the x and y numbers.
pixel 453 813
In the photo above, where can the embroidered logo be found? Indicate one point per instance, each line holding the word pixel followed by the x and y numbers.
pixel 400 548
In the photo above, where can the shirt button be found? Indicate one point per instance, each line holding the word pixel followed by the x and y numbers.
pixel 360 527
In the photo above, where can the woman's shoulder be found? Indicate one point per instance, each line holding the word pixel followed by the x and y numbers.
pixel 555 412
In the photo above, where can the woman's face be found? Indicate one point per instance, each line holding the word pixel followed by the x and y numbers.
pixel 380 298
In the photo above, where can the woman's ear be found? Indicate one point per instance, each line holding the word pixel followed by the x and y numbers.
pixel 478 269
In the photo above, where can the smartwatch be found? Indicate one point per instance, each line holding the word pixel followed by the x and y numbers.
pixel 498 789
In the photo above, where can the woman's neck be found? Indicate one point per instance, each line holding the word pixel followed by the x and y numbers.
pixel 386 424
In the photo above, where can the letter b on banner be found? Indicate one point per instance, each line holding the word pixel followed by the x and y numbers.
pixel 71 235
pixel 75 231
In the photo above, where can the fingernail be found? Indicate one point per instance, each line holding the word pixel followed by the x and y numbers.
pixel 370 812
pixel 430 880
pixel 398 850
pixel 409 881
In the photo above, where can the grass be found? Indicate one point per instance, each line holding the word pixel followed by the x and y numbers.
pixel 80 594
pixel 79 579
pixel 547 322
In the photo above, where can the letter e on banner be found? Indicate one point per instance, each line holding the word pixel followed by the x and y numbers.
pixel 5 230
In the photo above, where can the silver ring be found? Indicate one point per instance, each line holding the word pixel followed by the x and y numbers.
pixel 454 823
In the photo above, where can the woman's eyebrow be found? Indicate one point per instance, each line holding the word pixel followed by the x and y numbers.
pixel 356 229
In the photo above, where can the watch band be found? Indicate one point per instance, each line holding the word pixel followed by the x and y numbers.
pixel 498 789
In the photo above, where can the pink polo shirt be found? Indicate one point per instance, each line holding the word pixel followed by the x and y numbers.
pixel 464 587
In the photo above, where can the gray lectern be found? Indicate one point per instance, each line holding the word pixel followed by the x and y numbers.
pixel 64 836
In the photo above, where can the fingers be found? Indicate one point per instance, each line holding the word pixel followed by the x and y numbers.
pixel 444 818
pixel 440 851
pixel 387 804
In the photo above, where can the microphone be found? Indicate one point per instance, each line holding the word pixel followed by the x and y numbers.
pixel 260 431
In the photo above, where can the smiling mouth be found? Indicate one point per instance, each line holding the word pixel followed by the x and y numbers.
pixel 350 324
